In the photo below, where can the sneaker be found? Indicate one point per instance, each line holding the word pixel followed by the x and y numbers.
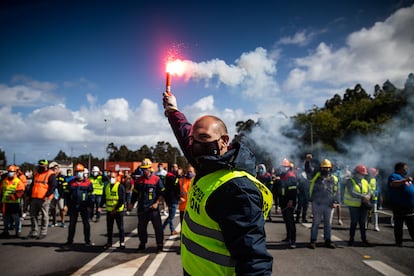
pixel 376 229
pixel 292 245
pixel 41 237
pixel 174 233
pixel 52 225
pixel 108 245
pixel 312 245
pixel 330 244
pixel 141 247
pixel 122 245
pixel 63 225
pixel 89 243
pixel 159 248
pixel 128 213
pixel 351 242
pixel 340 222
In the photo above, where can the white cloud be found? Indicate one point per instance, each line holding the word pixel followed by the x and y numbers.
pixel 301 38
pixel 371 56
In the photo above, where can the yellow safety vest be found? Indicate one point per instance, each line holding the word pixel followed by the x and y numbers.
pixel 313 181
pixel 112 197
pixel 97 185
pixel 203 251
pixel 373 186
pixel 351 201
pixel 10 190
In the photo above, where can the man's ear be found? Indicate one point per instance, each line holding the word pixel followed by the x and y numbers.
pixel 225 138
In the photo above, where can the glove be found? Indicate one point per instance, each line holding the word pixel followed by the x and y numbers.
pixel 169 102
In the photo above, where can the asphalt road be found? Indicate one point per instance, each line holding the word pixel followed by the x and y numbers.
pixel 46 257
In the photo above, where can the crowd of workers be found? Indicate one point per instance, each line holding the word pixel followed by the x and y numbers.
pixel 230 199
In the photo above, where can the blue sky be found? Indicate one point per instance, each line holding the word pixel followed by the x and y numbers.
pixel 68 65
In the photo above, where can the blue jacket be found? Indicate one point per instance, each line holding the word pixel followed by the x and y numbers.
pixel 236 205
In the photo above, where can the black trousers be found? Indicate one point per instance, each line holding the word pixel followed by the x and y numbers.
pixel 73 216
pixel 399 219
pixel 288 218
pixel 119 218
pixel 144 218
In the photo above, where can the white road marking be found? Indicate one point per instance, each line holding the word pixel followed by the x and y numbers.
pixel 124 269
pixel 383 268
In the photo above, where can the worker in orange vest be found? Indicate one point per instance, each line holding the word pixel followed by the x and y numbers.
pixel 41 193
pixel 11 192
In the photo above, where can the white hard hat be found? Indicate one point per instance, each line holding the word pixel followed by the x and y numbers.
pixel 95 169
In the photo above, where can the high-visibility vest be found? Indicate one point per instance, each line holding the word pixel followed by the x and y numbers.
pixel 317 175
pixel 373 186
pixel 203 251
pixel 112 197
pixel 40 185
pixel 185 184
pixel 9 190
pixel 97 184
pixel 351 201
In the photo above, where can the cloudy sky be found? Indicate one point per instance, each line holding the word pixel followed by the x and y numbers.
pixel 69 66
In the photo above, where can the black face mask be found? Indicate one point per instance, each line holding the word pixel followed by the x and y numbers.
pixel 207 148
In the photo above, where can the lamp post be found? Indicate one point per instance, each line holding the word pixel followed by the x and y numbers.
pixel 105 142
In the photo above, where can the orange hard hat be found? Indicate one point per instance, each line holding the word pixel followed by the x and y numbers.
pixel 361 169
pixel 12 168
pixel 285 163
pixel 79 167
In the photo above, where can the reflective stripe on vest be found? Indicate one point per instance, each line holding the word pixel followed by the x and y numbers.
pixel 203 251
pixel 40 185
pixel 351 201
pixel 112 197
pixel 317 175
pixel 97 184
pixel 10 189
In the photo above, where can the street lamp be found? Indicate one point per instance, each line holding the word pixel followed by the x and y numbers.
pixel 105 142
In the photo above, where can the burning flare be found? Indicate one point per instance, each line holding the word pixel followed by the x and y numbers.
pixel 175 67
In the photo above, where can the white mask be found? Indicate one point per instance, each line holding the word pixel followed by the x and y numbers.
pixel 113 180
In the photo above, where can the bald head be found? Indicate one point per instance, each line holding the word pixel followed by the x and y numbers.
pixel 210 128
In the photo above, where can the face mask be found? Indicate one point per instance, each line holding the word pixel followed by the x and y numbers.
pixel 405 172
pixel 79 174
pixel 261 171
pixel 113 180
pixel 189 175
pixel 10 174
pixel 95 174
pixel 324 172
pixel 199 149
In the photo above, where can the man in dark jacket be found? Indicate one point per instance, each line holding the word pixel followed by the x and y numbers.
pixel 226 203
pixel 171 197
pixel 78 200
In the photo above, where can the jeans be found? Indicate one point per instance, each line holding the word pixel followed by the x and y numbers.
pixel 321 212
pixel 172 208
pixel 8 218
pixel 358 216
pixel 96 203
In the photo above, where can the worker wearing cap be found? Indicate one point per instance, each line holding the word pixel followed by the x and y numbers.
pixel 148 189
pixel 11 192
pixel 41 193
pixel 98 190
